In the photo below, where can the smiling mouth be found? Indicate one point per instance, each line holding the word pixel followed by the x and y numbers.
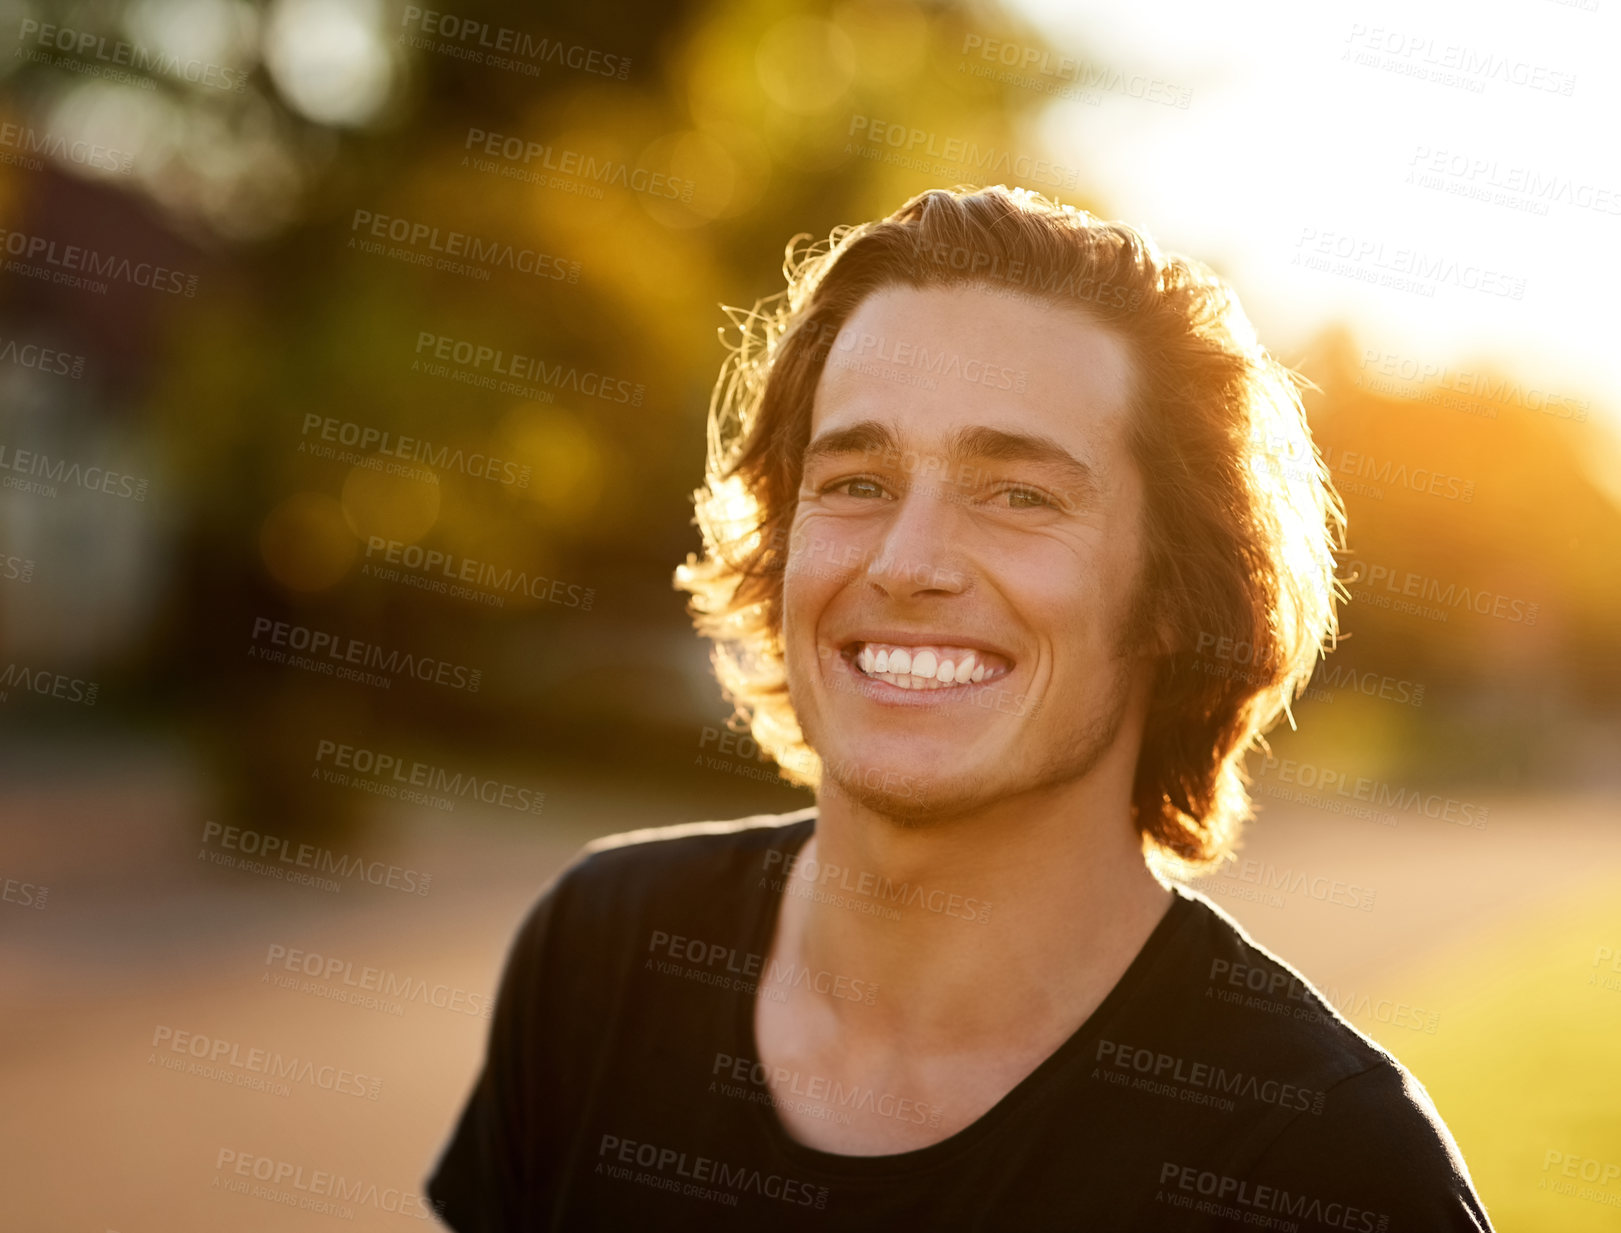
pixel 934 666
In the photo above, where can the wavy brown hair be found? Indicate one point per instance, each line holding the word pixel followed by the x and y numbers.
pixel 1242 524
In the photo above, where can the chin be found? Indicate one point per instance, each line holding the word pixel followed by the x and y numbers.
pixel 909 791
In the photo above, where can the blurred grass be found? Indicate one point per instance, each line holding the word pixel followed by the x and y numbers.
pixel 1526 1060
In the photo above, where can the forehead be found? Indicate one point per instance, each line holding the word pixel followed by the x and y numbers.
pixel 935 361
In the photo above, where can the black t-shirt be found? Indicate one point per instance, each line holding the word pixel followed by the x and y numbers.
pixel 1212 1089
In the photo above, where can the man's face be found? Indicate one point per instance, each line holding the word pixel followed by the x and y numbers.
pixel 967 489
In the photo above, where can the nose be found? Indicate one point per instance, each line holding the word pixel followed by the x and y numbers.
pixel 917 555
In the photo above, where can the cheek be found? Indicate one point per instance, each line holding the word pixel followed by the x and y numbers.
pixel 822 556
pixel 1072 602
pixel 824 544
pixel 806 589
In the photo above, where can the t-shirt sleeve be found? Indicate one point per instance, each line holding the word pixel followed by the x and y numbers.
pixel 491 1168
pixel 1380 1148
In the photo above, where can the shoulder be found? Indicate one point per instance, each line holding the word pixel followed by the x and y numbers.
pixel 624 894
pixel 1251 992
pixel 1369 1136
pixel 656 863
pixel 670 873
pixel 711 844
pixel 1381 1149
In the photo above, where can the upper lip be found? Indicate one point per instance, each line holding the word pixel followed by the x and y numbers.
pixel 915 637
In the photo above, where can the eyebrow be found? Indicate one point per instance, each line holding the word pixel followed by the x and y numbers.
pixel 978 443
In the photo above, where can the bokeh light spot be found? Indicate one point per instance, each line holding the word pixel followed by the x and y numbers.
pixel 399 507
pixel 327 57
pixel 567 467
pixel 805 65
pixel 305 542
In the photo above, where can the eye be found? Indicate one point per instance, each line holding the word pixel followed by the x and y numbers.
pixel 1027 498
pixel 860 486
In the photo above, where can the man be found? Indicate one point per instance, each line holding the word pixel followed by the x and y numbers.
pixel 981 486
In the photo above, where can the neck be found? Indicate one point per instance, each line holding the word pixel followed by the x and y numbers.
pixel 1017 918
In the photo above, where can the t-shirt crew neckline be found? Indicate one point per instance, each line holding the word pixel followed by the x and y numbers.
pixel 761 927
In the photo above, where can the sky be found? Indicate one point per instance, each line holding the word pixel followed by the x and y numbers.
pixel 1445 179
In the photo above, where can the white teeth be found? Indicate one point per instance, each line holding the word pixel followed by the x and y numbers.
pixel 927 667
